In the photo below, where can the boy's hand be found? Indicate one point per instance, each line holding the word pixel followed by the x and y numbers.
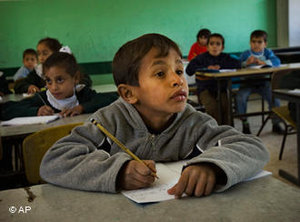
pixel 135 175
pixel 217 67
pixel 72 112
pixel 33 89
pixel 260 62
pixel 197 180
pixel 251 60
pixel 45 111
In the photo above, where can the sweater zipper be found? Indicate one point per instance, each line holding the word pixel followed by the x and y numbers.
pixel 151 138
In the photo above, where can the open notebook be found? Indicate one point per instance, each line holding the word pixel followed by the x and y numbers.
pixel 168 174
pixel 29 120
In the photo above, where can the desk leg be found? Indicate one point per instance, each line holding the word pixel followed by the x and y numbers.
pixel 285 174
pixel 219 102
pixel 229 102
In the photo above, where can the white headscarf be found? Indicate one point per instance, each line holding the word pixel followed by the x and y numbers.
pixel 61 104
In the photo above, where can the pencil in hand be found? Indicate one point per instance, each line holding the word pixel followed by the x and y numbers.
pixel 122 146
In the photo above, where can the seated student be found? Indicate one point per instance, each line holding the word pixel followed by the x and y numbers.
pixel 30 60
pixel 62 95
pixel 200 45
pixel 153 120
pixel 34 81
pixel 214 59
pixel 257 55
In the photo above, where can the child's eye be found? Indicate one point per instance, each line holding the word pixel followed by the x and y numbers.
pixel 48 81
pixel 179 72
pixel 160 74
pixel 60 80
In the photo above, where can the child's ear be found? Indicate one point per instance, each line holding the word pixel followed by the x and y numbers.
pixel 127 93
pixel 77 77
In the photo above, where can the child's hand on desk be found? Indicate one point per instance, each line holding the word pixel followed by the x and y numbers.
pixel 45 111
pixel 135 175
pixel 33 89
pixel 196 180
pixel 260 62
pixel 251 60
pixel 72 112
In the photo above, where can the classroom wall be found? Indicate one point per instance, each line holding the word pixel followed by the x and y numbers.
pixel 95 29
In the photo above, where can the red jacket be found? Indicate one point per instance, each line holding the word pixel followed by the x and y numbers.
pixel 195 50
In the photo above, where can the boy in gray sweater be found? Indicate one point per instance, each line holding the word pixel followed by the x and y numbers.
pixel 153 120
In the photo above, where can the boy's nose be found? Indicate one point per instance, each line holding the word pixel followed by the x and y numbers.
pixel 176 80
pixel 54 86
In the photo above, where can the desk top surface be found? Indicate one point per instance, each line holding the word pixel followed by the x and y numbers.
pixel 249 71
pixel 10 131
pixel 265 199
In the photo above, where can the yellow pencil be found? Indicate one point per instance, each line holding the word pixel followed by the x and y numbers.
pixel 121 145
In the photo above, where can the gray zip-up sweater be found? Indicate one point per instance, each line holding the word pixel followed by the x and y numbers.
pixel 88 160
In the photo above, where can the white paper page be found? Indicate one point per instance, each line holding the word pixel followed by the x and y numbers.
pixel 262 173
pixel 227 70
pixel 255 67
pixel 297 91
pixel 169 174
pixel 29 120
pixel 158 191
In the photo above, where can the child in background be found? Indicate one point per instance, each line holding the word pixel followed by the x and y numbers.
pixel 214 59
pixel 153 120
pixel 62 75
pixel 257 55
pixel 34 81
pixel 200 45
pixel 30 61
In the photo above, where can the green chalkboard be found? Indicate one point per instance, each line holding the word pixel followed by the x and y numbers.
pixel 95 29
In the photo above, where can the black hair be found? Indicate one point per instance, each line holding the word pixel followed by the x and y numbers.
pixel 216 35
pixel 63 60
pixel 203 32
pixel 30 52
pixel 127 61
pixel 53 44
pixel 259 34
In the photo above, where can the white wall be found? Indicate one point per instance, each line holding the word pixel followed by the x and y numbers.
pixel 288 23
pixel 294 23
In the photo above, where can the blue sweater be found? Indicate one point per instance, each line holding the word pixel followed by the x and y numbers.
pixel 267 56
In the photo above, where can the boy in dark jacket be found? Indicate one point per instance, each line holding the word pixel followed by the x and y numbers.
pixel 213 59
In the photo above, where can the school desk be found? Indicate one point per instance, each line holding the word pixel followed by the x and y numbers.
pixel 12 136
pixel 264 199
pixel 247 72
pixel 11 97
pixel 286 94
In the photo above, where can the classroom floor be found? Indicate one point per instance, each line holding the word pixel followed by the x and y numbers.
pixel 273 143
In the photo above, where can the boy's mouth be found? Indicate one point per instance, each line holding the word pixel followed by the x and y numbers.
pixel 180 95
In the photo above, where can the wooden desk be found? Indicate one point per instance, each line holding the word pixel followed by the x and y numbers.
pixel 13 136
pixel 11 97
pixel 227 76
pixel 295 98
pixel 265 199
pixel 24 130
